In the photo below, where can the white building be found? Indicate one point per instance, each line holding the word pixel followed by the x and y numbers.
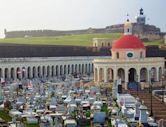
pixel 21 68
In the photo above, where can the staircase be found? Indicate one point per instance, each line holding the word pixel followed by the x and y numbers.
pixel 158 108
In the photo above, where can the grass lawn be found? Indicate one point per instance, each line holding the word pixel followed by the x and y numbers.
pixel 157 42
pixel 5 116
pixel 77 40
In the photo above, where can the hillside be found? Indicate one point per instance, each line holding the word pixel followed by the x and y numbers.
pixel 74 40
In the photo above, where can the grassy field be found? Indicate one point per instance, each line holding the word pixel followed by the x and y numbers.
pixel 76 40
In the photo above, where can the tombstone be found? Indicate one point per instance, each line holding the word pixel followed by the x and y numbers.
pixel 161 123
pixel 114 90
pixel 137 111
pixel 119 83
pixel 143 116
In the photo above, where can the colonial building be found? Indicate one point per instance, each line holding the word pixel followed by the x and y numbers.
pixel 140 28
pixel 128 63
pixel 27 68
pixel 102 42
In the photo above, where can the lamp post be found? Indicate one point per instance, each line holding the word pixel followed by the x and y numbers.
pixel 162 88
pixel 150 87
pixel 137 83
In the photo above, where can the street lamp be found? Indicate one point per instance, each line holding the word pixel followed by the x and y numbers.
pixel 162 88
pixel 137 83
pixel 150 87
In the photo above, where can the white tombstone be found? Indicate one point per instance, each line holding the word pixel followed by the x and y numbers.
pixel 143 115
pixel 114 90
pixel 137 110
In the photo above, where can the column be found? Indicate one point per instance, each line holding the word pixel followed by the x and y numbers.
pixel 105 75
pixel 115 74
pixel 70 68
pixel 25 72
pixel 58 70
pixel 138 74
pixel 98 75
pixel 12 72
pixel 36 72
pixel 3 73
pixel 148 75
pixel 157 74
pixel 40 72
pixel 126 78
pixel 8 74
pixel 50 71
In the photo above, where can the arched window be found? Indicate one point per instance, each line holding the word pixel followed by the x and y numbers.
pixel 102 44
pixel 128 30
pixel 108 44
pixel 117 55
pixel 141 54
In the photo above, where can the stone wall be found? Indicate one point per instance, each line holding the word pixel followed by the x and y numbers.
pixel 48 51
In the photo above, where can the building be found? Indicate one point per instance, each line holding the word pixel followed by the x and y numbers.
pixel 140 28
pixel 102 42
pixel 164 39
pixel 46 67
pixel 129 63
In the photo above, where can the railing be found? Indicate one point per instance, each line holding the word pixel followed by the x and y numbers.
pixel 33 59
pixel 154 59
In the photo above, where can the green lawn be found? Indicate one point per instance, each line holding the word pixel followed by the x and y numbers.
pixel 5 116
pixel 157 42
pixel 76 40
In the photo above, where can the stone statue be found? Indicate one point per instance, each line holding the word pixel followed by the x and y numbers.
pixel 141 11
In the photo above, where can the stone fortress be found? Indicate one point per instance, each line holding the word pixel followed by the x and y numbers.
pixel 140 28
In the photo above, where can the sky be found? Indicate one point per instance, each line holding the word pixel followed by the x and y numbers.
pixel 76 14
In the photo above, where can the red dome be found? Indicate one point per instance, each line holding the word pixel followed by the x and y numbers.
pixel 128 42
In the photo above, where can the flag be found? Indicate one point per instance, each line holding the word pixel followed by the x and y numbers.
pixel 2 80
pixel 29 85
pixel 19 72
pixel 23 70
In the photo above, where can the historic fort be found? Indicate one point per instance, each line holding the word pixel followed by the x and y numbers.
pixel 140 28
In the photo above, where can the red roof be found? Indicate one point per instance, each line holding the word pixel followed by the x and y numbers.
pixel 128 42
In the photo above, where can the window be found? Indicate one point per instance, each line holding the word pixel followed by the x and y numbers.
pixel 130 55
pixel 102 44
pixel 141 54
pixel 128 30
pixel 109 44
pixel 117 55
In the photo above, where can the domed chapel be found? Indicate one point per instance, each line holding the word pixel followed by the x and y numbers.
pixel 128 63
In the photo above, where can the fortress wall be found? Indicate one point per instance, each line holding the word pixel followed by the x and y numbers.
pixel 49 51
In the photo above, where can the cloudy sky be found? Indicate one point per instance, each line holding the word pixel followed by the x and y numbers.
pixel 76 14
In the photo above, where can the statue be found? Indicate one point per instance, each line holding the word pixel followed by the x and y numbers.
pixel 141 11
